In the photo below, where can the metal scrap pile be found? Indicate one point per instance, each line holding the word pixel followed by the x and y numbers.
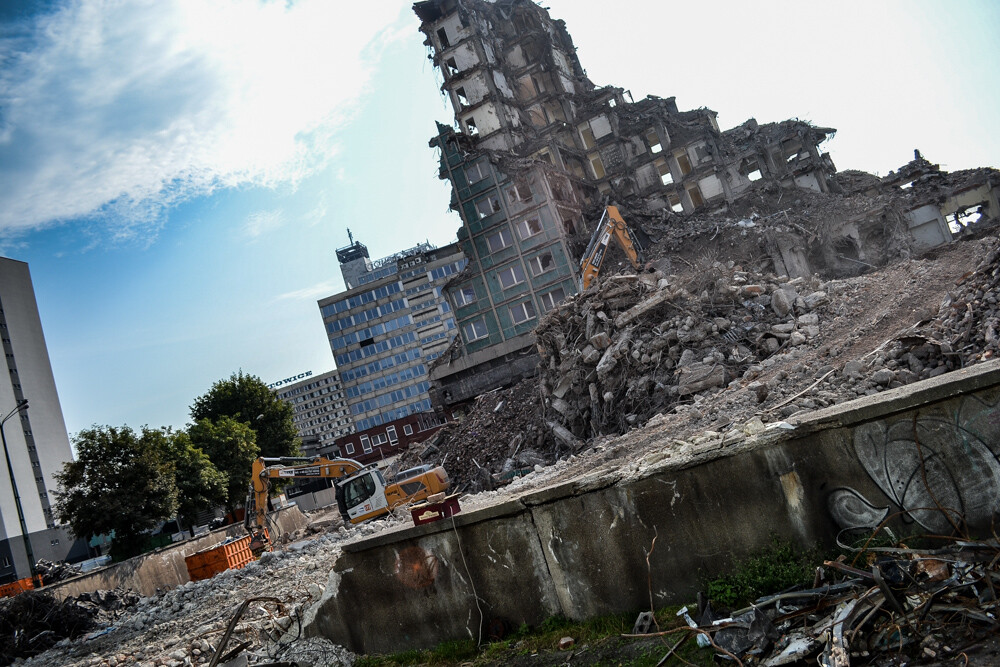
pixel 966 328
pixel 909 604
pixel 614 356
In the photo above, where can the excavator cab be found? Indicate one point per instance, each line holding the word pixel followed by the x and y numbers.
pixel 361 496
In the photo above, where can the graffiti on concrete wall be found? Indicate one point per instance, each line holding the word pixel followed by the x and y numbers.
pixel 942 470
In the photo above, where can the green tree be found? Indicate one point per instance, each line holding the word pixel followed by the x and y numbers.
pixel 121 481
pixel 232 447
pixel 200 485
pixel 247 399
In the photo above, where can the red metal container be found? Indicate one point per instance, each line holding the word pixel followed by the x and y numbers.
pixel 430 512
pixel 208 563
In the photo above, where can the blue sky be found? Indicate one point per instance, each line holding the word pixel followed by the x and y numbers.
pixel 178 174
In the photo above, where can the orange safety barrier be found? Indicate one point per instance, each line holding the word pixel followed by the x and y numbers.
pixel 20 586
pixel 208 563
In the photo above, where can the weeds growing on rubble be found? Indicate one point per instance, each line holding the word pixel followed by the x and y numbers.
pixel 780 566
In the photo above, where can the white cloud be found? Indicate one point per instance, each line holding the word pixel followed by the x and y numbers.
pixel 263 222
pixel 119 110
pixel 313 292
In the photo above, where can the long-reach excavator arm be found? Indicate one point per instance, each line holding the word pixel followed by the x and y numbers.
pixel 612 225
pixel 361 491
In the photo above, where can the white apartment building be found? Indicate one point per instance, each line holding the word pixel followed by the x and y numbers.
pixel 321 411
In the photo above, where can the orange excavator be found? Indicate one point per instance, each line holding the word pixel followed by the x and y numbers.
pixel 362 492
pixel 611 226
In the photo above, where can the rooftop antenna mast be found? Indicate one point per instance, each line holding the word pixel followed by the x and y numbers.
pixel 350 236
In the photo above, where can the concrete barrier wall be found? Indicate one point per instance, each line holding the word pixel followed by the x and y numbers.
pixel 580 548
pixel 164 568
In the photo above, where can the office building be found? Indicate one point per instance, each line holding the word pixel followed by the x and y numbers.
pixel 37 443
pixel 321 411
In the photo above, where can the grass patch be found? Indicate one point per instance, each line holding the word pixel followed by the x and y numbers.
pixel 779 567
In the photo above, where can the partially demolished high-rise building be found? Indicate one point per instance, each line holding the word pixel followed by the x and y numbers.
pixel 537 149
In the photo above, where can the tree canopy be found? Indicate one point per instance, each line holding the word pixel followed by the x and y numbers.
pixel 121 481
pixel 246 398
pixel 200 485
pixel 232 447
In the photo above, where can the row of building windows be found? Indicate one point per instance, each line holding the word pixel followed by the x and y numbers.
pixel 394 414
pixel 357 300
pixel 386 381
pixel 390 398
pixel 448 269
pixel 380 364
pixel 368 334
pixel 365 316
pixel 378 274
pixel 370 350
pixel 519 313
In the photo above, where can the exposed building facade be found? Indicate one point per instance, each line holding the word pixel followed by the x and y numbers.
pixel 36 438
pixel 321 411
pixel 539 148
pixel 386 328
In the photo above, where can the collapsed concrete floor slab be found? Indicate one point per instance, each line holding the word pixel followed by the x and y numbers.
pixel 925 453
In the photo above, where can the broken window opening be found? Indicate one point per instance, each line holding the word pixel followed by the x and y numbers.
pixel 755 175
pixel 499 240
pixel 475 330
pixel 544 155
pixel 488 206
pixel 476 172
pixel 552 299
pixel 675 204
pixel 522 312
pixel 519 192
pixel 683 163
pixel 694 192
pixel 541 264
pixel 587 136
pixel 443 38
pixel 597 165
pixel 463 99
pixel 539 84
pixel 367 341
pixel 653 139
pixel 663 169
pixel 528 228
pixel 569 226
pixel 451 65
pixel 511 276
pixel 470 124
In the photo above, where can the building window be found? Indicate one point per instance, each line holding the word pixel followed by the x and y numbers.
pixel 407 429
pixel 552 299
pixel 499 240
pixel 464 296
pixel 596 165
pixel 366 444
pixel 451 66
pixel 475 330
pixel 666 178
pixel 391 432
pixel 349 447
pixel 653 139
pixel 675 204
pixel 512 275
pixel 683 163
pixel 522 312
pixel 528 228
pixel 519 192
pixel 695 193
pixel 541 264
pixel 488 206
pixel 477 172
pixel 470 124
pixel 463 99
pixel 443 38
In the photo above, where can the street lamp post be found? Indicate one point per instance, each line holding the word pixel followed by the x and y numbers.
pixel 21 407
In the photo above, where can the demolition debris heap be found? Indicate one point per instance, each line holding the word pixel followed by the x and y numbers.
pixel 539 148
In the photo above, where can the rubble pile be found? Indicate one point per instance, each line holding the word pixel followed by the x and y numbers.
pixel 906 605
pixel 635 346
pixel 34 621
pixel 53 572
pixel 500 436
pixel 965 330
pixel 186 625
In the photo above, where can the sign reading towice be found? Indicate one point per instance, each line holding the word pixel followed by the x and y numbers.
pixel 294 378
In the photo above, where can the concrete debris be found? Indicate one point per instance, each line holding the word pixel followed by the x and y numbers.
pixel 184 626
